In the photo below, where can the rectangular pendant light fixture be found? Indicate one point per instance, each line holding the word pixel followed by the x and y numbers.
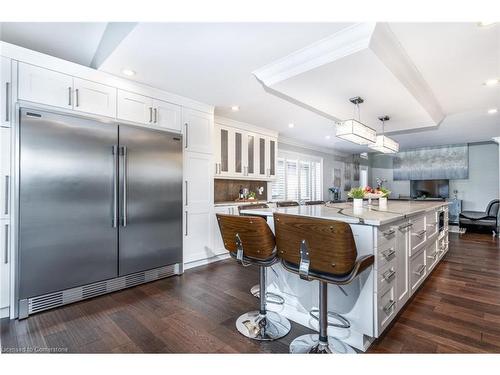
pixel 356 132
pixel 385 145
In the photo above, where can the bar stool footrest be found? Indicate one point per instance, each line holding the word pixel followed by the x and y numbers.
pixel 344 323
pixel 273 298
pixel 310 344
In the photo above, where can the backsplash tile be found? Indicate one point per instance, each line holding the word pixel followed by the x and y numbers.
pixel 228 190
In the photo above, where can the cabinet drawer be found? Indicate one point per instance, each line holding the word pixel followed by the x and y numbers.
pixel 386 277
pixel 385 256
pixel 386 308
pixel 418 270
pixel 432 255
pixel 431 223
pixel 417 234
pixel 386 237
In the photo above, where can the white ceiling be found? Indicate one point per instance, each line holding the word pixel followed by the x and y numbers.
pixel 213 63
pixel 72 41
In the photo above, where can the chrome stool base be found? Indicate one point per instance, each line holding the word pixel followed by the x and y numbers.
pixel 344 323
pixel 270 297
pixel 310 344
pixel 271 326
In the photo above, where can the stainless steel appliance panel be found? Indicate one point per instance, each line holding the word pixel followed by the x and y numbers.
pixel 66 206
pixel 150 233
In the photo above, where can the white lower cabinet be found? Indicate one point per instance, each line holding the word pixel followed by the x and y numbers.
pixel 217 238
pixel 402 256
pixel 4 267
pixel 386 307
pixel 418 269
pixel 198 207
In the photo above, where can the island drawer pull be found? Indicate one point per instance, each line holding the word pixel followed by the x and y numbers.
pixel 389 306
pixel 389 232
pixel 433 256
pixel 421 233
pixel 389 275
pixel 389 253
pixel 420 270
pixel 405 226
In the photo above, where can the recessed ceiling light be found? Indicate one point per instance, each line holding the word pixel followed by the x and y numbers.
pixel 235 108
pixel 492 111
pixel 492 82
pixel 291 125
pixel 128 72
pixel 328 137
pixel 486 23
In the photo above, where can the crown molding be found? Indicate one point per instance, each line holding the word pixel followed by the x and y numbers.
pixel 343 43
pixel 297 143
pixel 245 126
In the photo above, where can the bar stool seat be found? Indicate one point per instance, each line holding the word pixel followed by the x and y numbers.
pixel 250 241
pixel 322 250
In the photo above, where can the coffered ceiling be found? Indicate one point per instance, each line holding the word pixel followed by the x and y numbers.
pixel 427 76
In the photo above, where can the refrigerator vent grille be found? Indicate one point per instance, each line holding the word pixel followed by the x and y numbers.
pixel 51 300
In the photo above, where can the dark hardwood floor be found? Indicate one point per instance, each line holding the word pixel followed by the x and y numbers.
pixel 456 310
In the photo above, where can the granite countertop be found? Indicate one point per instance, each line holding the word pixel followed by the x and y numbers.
pixel 368 215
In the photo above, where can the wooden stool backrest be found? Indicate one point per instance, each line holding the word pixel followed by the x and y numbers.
pixel 287 204
pixel 256 237
pixel 330 243
pixel 252 206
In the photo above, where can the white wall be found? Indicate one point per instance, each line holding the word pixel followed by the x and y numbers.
pixel 481 187
pixel 482 184
pixel 330 160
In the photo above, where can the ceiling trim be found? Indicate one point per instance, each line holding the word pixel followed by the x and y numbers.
pixel 392 54
pixel 343 43
pixel 245 126
pixel 297 143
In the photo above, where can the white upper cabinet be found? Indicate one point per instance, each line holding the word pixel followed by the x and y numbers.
pixel 244 154
pixel 94 98
pixel 5 92
pixel 198 130
pixel 167 115
pixel 45 86
pixel 134 107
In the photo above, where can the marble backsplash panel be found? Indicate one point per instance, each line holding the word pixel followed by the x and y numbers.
pixel 228 190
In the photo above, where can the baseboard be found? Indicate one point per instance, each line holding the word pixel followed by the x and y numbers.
pixel 4 312
pixel 203 262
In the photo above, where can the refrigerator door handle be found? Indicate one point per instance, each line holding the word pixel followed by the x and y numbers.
pixel 186 188
pixel 115 186
pixel 125 177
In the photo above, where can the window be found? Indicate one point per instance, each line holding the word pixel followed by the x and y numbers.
pixel 298 177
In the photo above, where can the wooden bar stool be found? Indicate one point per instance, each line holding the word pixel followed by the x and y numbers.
pixel 287 204
pixel 323 250
pixel 251 242
pixel 255 290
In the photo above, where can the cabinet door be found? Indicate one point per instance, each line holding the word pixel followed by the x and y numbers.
pixel 251 152
pixel 198 206
pixel 5 92
pixel 223 150
pixel 238 167
pixel 167 115
pixel 217 238
pixel 198 130
pixel 134 107
pixel 5 182
pixel 5 263
pixel 262 156
pixel 92 97
pixel 273 151
pixel 402 253
pixel 45 86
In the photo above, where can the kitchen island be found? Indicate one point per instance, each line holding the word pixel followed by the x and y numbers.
pixel 407 238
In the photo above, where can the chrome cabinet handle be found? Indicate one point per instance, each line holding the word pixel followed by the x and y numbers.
pixel 7 101
pixel 77 101
pixel 433 256
pixel 421 233
pixel 186 232
pixel 420 270
pixel 156 115
pixel 186 188
pixel 389 232
pixel 150 114
pixel 7 193
pixel 69 96
pixel 389 275
pixel 405 226
pixel 115 187
pixel 432 224
pixel 389 253
pixel 6 251
pixel 186 134
pixel 125 180
pixel 389 306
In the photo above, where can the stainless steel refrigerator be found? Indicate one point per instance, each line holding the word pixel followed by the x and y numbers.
pixel 97 201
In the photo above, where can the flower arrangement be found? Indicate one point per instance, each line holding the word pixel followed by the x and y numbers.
pixel 356 193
